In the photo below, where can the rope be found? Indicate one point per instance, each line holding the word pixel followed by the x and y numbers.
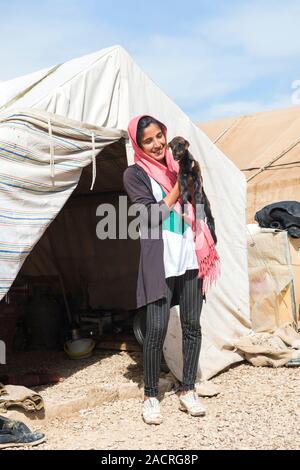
pixel 52 163
pixel 274 167
pixel 93 161
pixel 264 167
pixel 225 131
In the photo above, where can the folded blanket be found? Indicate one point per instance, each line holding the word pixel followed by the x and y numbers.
pixel 17 396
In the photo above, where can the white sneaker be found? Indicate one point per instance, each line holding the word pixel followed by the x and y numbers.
pixel 191 404
pixel 151 411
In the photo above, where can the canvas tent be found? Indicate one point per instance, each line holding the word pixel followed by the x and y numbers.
pixel 266 147
pixel 62 130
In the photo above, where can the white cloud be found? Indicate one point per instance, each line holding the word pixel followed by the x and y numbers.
pixel 250 49
pixel 196 72
pixel 240 108
pixel 261 29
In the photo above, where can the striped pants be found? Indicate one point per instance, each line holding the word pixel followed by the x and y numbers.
pixel 189 288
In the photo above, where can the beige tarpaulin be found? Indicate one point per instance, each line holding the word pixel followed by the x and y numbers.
pixel 266 147
pixel 272 302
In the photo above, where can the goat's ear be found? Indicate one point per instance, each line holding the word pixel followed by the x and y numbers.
pixel 168 146
pixel 187 144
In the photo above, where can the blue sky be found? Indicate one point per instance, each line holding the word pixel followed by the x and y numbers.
pixel 213 58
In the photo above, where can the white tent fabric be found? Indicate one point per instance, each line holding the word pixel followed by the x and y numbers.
pixel 106 90
pixel 11 88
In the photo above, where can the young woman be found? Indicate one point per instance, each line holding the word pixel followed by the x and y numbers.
pixel 169 263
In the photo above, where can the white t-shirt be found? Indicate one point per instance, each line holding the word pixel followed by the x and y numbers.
pixel 179 246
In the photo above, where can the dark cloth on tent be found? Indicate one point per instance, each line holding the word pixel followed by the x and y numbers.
pixel 284 215
pixel 151 283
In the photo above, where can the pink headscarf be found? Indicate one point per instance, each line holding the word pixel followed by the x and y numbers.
pixel 208 258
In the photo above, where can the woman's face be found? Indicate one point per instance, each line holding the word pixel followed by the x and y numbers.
pixel 154 142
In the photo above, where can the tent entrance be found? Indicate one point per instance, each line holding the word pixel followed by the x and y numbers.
pixel 88 275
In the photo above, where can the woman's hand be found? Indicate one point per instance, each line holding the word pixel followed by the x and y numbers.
pixel 173 195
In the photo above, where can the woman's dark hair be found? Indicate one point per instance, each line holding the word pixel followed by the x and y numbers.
pixel 144 122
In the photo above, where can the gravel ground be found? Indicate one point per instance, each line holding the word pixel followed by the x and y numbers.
pixel 102 368
pixel 258 408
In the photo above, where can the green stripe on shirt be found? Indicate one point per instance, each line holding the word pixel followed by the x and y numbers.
pixel 174 222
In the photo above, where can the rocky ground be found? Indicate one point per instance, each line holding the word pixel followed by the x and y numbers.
pixel 258 408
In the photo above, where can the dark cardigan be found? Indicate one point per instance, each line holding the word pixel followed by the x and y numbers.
pixel 151 283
